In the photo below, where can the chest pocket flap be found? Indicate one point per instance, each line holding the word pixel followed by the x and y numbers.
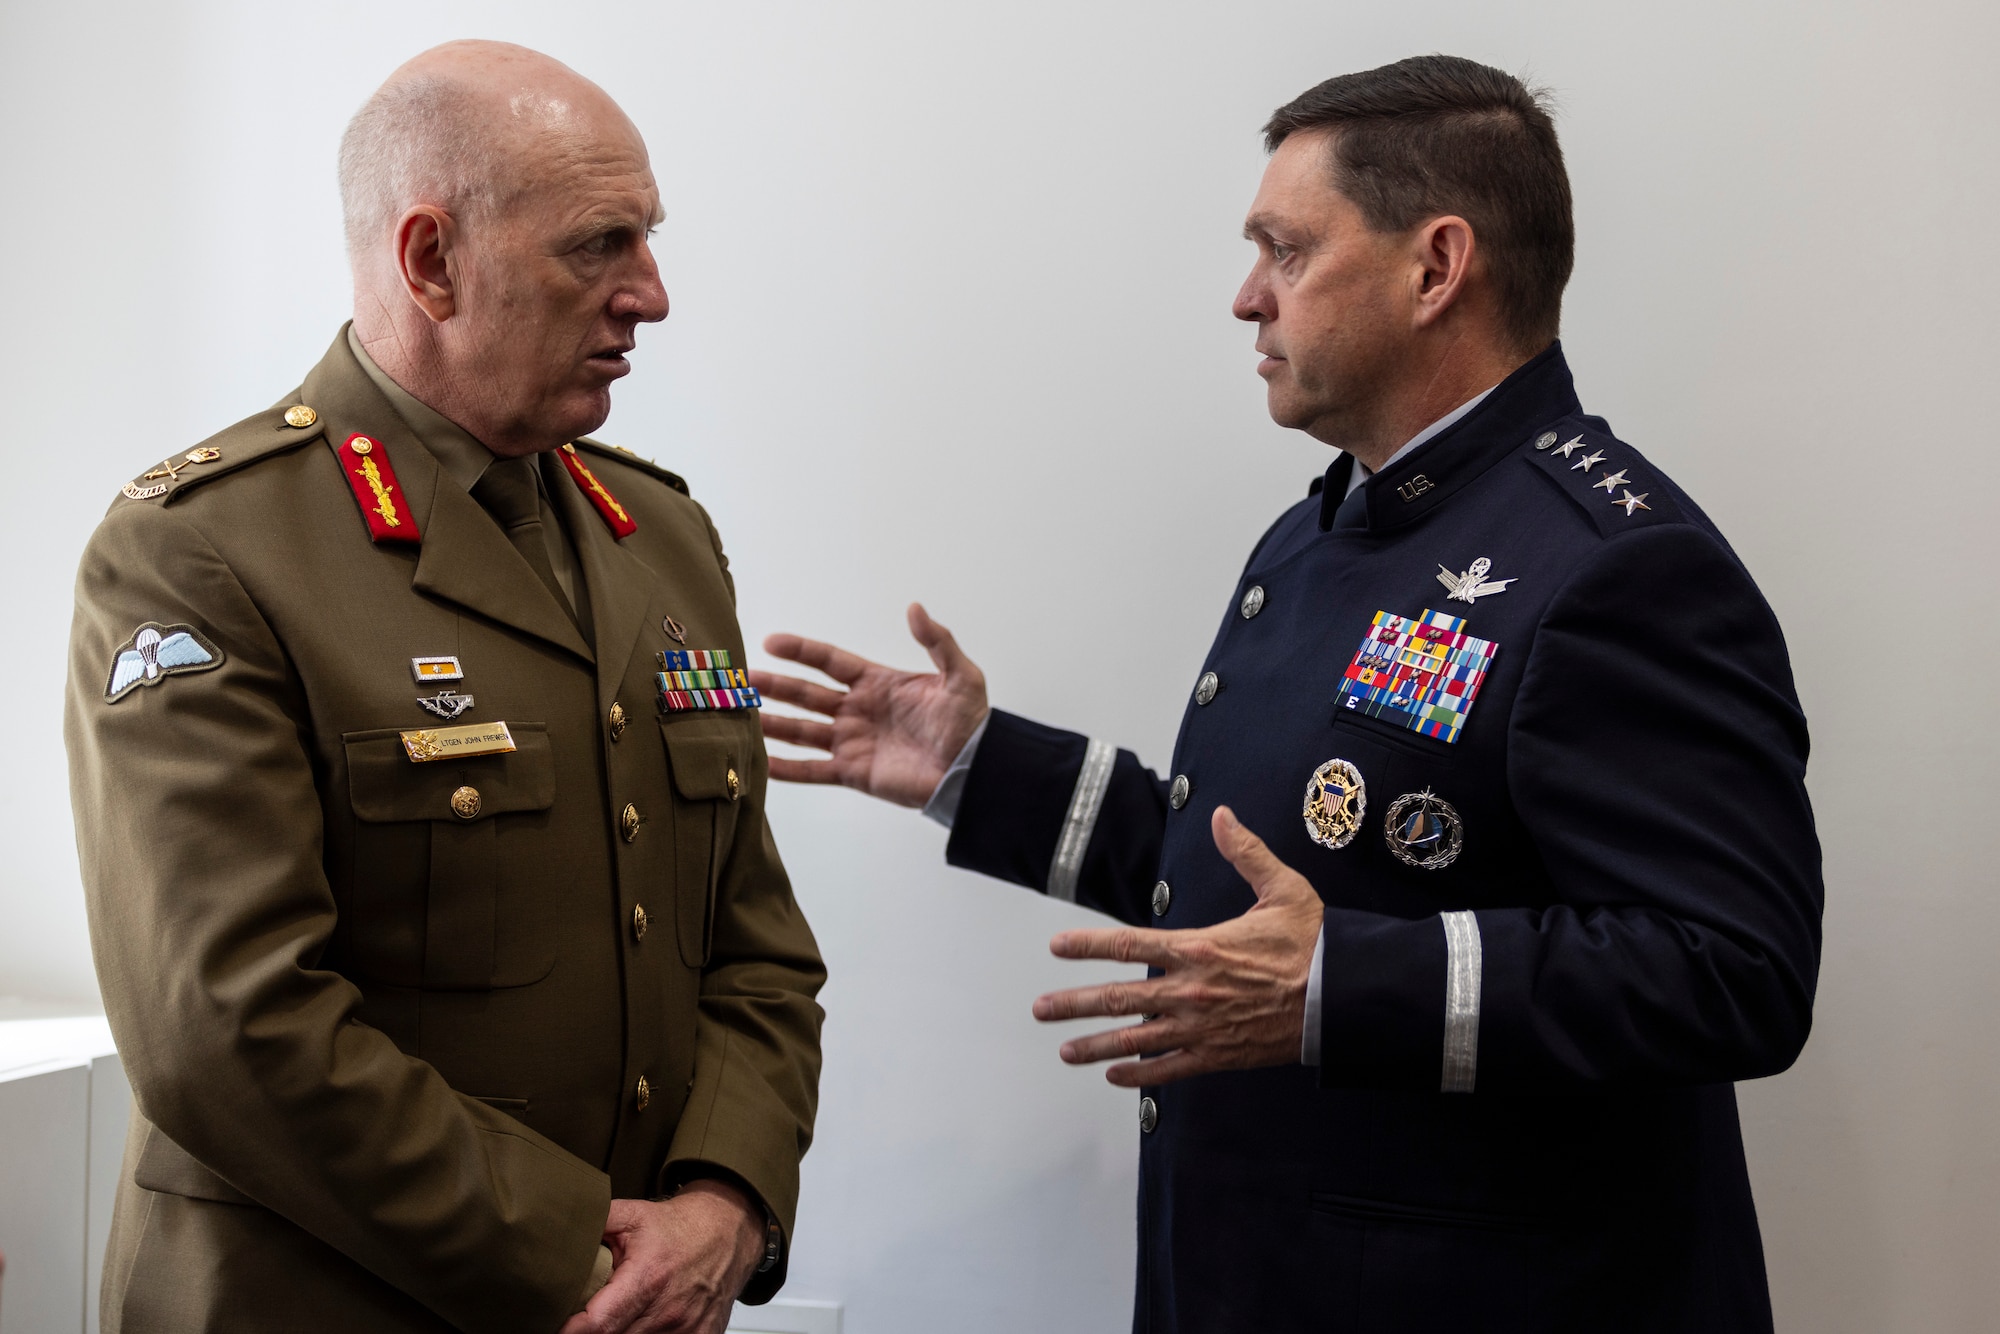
pixel 435 903
pixel 708 757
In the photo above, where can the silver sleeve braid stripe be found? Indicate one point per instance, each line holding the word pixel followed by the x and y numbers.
pixel 1091 780
pixel 1461 1001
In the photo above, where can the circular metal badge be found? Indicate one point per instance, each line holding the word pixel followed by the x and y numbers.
pixel 1336 799
pixel 1423 831
pixel 465 803
pixel 1204 689
pixel 1253 601
pixel 1545 440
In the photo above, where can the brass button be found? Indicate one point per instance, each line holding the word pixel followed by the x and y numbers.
pixel 639 922
pixel 1149 1115
pixel 617 720
pixel 1204 689
pixel 465 803
pixel 362 445
pixel 643 1094
pixel 735 785
pixel 300 416
pixel 629 821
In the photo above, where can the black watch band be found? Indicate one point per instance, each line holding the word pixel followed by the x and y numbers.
pixel 774 1245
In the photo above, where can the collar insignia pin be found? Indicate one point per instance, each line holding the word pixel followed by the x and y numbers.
pixel 1473 584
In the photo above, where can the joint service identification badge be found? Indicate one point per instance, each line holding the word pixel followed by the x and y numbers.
pixel 1336 799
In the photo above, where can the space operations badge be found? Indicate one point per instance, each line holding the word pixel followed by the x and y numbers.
pixel 1421 674
pixel 155 652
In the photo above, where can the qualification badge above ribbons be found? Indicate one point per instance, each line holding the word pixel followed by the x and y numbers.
pixel 699 678
pixel 1421 674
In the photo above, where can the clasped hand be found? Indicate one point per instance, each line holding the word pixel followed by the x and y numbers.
pixel 1229 996
pixel 677 1264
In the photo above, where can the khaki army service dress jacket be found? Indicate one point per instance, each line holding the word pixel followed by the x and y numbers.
pixel 398 1028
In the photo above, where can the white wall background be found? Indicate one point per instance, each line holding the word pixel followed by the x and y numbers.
pixel 951 322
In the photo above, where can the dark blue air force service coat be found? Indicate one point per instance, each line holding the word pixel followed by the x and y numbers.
pixel 1631 921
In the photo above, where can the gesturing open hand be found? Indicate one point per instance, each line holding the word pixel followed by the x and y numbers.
pixel 1231 997
pixel 891 734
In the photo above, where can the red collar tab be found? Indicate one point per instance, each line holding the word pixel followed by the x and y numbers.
pixel 614 515
pixel 365 460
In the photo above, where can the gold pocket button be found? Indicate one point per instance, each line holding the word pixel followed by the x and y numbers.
pixel 735 785
pixel 629 821
pixel 643 1094
pixel 639 922
pixel 617 720
pixel 465 803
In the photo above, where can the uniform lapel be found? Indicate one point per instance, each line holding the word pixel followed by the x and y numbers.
pixel 468 560
pixel 465 558
pixel 620 584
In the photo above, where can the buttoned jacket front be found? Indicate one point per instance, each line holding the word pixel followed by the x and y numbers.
pixel 1522 1116
pixel 393 1049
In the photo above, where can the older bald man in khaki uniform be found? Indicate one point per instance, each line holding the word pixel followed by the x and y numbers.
pixel 421 801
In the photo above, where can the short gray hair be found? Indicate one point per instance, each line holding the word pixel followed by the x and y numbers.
pixel 416 141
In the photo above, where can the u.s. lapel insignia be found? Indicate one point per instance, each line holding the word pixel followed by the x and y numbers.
pixel 1423 831
pixel 1336 799
pixel 1473 584
pixel 446 704
pixel 607 506
pixel 155 652
pixel 444 667
pixel 383 504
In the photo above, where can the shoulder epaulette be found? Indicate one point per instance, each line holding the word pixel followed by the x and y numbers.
pixel 1614 486
pixel 620 454
pixel 276 430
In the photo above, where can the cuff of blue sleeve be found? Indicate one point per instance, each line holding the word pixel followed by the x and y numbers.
pixel 1381 1001
pixel 943 805
pixel 1309 1048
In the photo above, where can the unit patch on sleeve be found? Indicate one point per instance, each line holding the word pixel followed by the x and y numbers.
pixel 1421 674
pixel 699 678
pixel 155 652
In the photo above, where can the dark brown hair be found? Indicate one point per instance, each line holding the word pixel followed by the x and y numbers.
pixel 1439 134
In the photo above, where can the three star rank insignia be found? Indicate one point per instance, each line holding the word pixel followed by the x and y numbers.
pixel 383 505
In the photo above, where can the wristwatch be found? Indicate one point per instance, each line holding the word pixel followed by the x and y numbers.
pixel 774 1245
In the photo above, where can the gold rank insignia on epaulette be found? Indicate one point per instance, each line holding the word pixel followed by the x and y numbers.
pixel 171 470
pixel 270 432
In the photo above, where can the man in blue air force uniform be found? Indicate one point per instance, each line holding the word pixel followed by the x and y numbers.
pixel 1533 876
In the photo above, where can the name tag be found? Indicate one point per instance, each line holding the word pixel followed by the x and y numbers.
pixel 450 743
